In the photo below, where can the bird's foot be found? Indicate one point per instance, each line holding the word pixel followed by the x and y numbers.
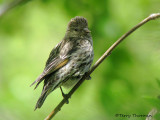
pixel 88 77
pixel 65 96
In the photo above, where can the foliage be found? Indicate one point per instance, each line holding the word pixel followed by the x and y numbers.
pixel 125 83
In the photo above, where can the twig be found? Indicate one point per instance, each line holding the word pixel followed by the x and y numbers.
pixel 8 6
pixel 100 60
pixel 151 114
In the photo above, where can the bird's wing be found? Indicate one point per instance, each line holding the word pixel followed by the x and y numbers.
pixel 53 63
pixel 54 52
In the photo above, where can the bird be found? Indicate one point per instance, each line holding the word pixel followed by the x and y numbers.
pixel 68 61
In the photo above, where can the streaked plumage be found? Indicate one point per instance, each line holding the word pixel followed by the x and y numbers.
pixel 69 60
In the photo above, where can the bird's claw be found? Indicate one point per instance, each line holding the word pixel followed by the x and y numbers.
pixel 88 77
pixel 65 96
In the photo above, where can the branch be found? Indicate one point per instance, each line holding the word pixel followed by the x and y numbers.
pixel 151 114
pixel 8 6
pixel 99 61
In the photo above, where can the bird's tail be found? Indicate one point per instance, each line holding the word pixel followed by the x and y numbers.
pixel 42 98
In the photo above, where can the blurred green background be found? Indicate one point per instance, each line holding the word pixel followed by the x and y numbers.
pixel 127 82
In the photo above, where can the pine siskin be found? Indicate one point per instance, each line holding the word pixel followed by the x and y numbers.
pixel 69 60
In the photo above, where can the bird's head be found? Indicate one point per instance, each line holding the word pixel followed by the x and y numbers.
pixel 78 27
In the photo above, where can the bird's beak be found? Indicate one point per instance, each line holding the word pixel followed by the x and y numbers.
pixel 86 30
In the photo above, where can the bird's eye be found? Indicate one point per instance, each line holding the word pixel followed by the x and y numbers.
pixel 75 29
